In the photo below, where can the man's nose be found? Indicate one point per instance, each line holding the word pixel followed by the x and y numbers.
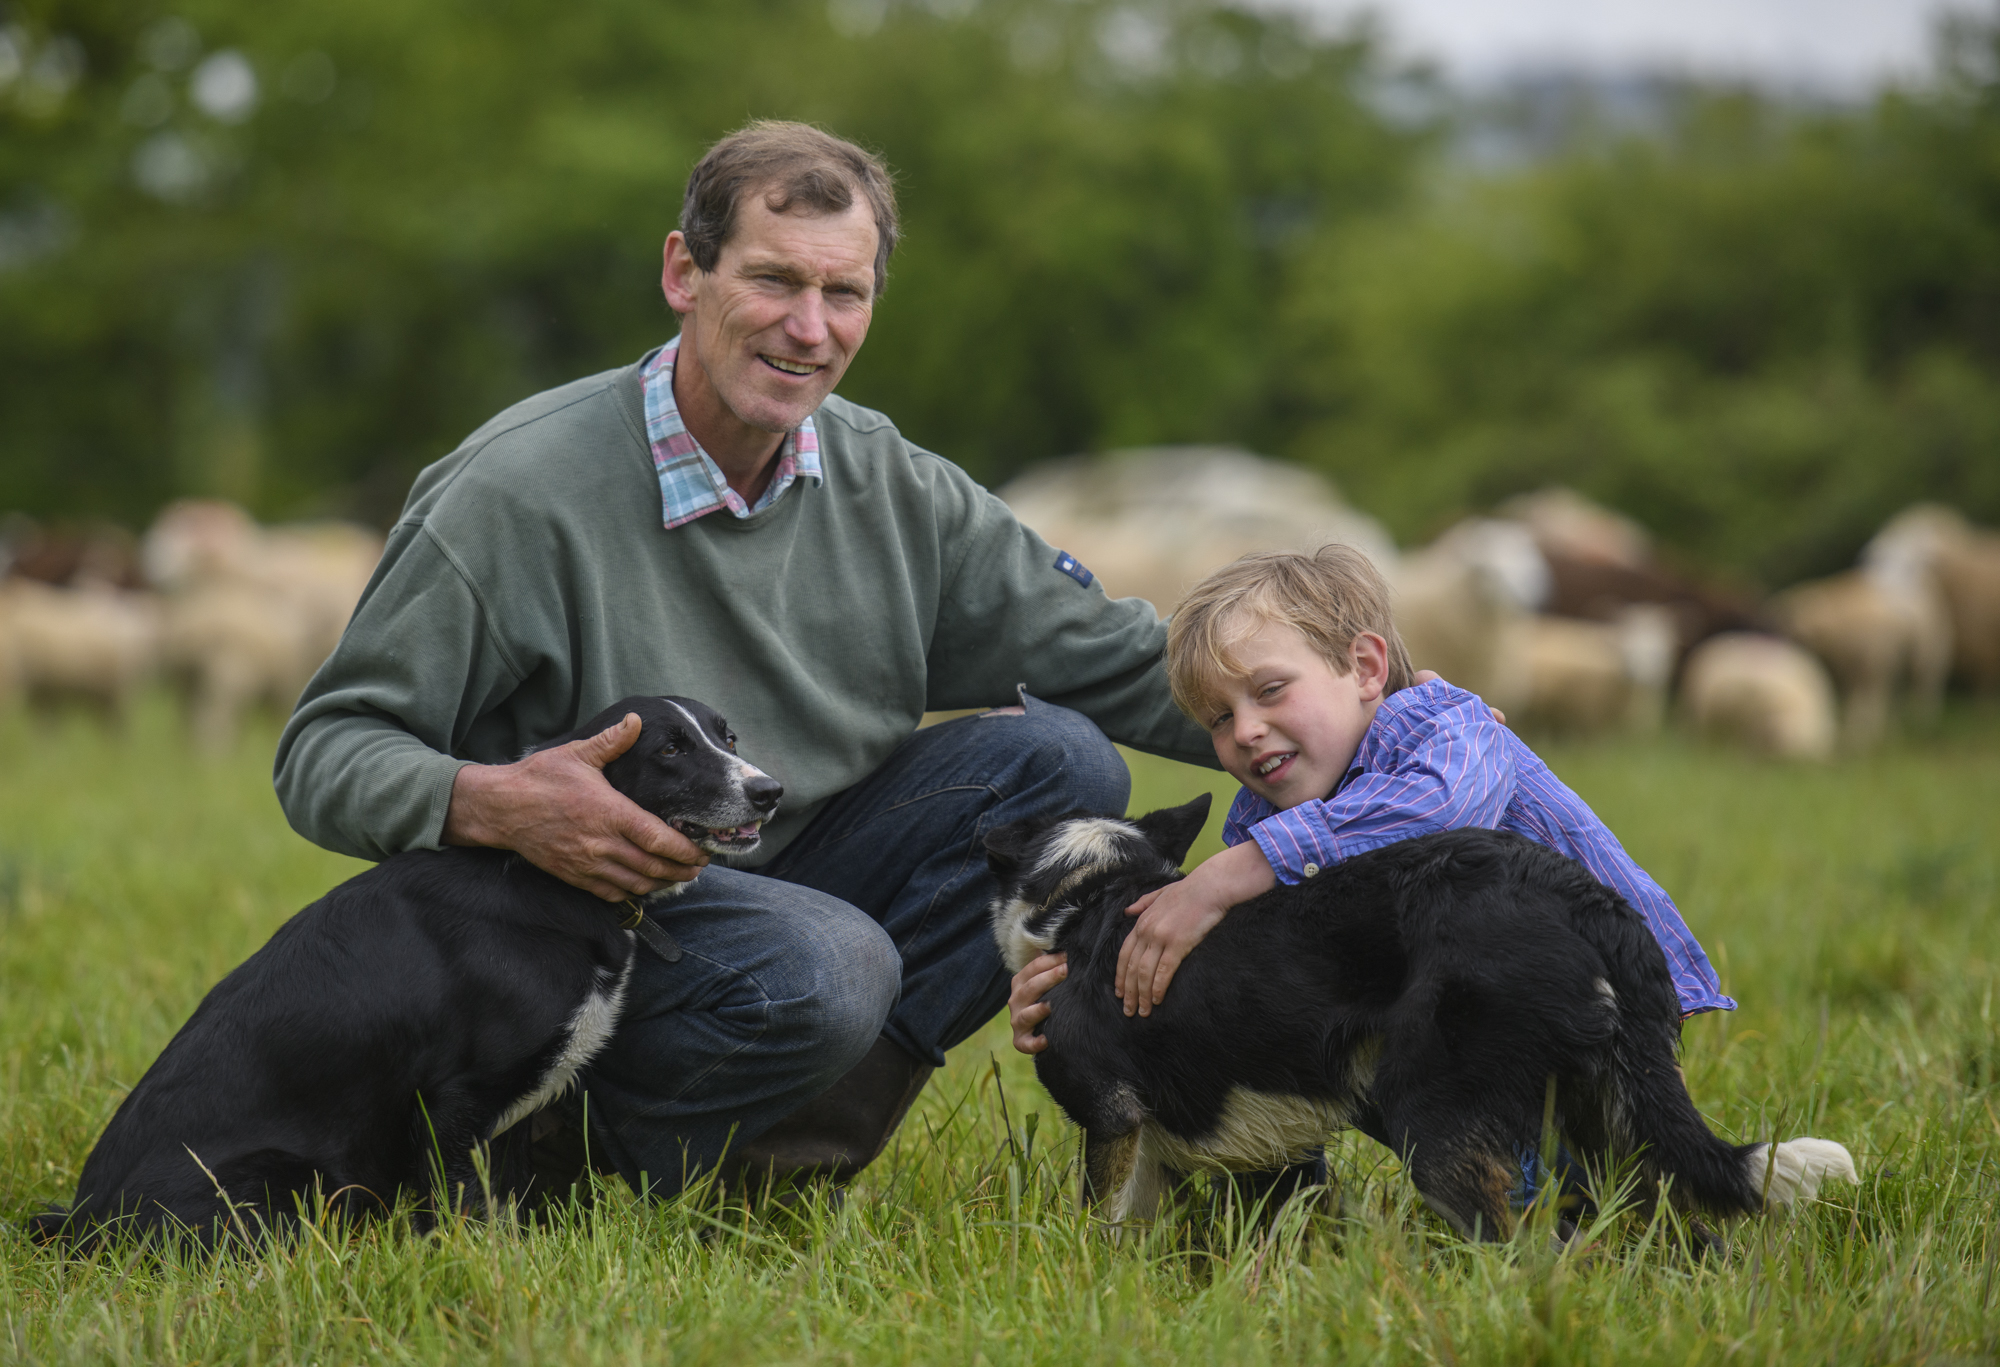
pixel 806 323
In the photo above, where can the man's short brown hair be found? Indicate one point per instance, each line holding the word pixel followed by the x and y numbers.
pixel 1329 597
pixel 797 166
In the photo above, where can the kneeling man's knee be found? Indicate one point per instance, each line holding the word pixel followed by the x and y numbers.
pixel 1085 767
pixel 855 979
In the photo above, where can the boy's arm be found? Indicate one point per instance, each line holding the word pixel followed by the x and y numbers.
pixel 1450 770
pixel 1176 918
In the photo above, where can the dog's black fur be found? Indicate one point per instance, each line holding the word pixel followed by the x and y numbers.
pixel 385 1031
pixel 1449 980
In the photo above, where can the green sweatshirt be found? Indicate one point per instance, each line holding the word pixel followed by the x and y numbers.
pixel 530 584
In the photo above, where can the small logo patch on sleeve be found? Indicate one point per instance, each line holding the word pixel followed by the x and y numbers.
pixel 1073 567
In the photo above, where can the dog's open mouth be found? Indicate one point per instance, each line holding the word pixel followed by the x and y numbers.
pixel 721 839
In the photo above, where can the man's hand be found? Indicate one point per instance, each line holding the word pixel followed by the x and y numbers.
pixel 1176 918
pixel 555 809
pixel 1025 1011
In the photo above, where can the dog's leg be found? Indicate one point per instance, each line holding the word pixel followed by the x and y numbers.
pixel 1468 1184
pixel 1136 1200
pixel 1463 1175
pixel 1107 1164
pixel 1122 1178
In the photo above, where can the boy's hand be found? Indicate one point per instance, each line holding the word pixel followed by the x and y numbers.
pixel 1176 918
pixel 1025 1011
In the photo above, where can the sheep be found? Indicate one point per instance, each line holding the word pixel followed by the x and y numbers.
pixel 1964 563
pixel 1565 523
pixel 1150 523
pixel 1762 692
pixel 252 611
pixel 1589 678
pixel 1884 632
pixel 1601 563
pixel 1463 608
pixel 94 644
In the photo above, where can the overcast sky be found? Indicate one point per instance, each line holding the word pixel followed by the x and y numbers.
pixel 1848 44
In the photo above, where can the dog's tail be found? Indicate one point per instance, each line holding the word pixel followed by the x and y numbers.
pixel 1657 1120
pixel 1649 1112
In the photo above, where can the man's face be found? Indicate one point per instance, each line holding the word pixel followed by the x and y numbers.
pixel 769 332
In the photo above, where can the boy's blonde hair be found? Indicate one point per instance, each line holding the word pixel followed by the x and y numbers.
pixel 1329 597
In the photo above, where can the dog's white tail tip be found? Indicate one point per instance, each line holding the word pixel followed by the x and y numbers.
pixel 1797 1167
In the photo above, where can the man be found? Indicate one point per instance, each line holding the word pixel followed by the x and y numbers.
pixel 713 522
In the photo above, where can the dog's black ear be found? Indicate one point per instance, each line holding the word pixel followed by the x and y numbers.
pixel 1007 846
pixel 1172 830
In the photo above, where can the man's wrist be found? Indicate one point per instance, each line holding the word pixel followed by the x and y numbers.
pixel 466 819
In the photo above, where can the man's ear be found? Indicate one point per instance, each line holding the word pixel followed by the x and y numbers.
pixel 1007 846
pixel 1172 830
pixel 677 273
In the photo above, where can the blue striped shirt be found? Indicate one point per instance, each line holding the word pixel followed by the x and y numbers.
pixel 1435 760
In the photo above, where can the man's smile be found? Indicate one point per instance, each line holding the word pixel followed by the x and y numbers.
pixel 789 367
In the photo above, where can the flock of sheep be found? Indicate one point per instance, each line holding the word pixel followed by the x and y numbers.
pixel 235 614
pixel 1557 611
pixel 1552 608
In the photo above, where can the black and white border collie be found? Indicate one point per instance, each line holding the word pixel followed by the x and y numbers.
pixel 403 1020
pixel 1445 979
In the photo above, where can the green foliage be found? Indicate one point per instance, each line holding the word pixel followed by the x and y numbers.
pixel 1760 333
pixel 1855 912
pixel 1760 330
pixel 435 210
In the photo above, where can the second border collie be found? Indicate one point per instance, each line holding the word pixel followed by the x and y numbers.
pixel 1446 979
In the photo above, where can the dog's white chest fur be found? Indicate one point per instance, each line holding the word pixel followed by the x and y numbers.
pixel 1256 1132
pixel 589 1030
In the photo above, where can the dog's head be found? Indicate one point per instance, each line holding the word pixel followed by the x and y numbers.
pixel 685 770
pixel 1046 867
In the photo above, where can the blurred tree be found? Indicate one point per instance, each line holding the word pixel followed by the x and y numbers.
pixel 290 254
pixel 1760 333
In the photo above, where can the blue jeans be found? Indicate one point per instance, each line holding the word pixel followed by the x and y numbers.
pixel 873 922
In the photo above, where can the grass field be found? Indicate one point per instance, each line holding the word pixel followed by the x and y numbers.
pixel 1852 909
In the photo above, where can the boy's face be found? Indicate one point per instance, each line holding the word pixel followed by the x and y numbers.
pixel 1288 726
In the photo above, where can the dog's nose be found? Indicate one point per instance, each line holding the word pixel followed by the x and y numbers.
pixel 763 792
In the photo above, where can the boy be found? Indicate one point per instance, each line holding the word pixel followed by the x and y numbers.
pixel 1293 663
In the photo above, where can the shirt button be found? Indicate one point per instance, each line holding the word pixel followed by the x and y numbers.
pixel 1312 870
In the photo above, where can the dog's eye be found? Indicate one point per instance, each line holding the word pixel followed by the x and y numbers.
pixel 676 745
pixel 729 739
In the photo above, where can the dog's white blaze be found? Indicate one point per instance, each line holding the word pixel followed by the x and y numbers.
pixel 1087 840
pixel 1604 991
pixel 590 1029
pixel 745 770
pixel 1797 1167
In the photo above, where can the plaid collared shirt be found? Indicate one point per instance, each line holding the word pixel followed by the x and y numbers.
pixel 691 484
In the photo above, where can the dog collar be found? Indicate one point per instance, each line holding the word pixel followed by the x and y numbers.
pixel 652 932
